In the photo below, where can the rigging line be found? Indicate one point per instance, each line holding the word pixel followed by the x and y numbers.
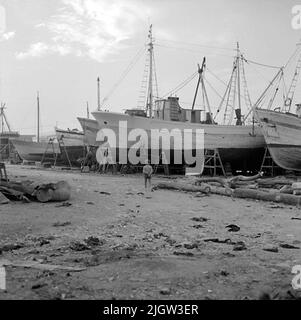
pixel 155 71
pixel 275 93
pixel 291 57
pixel 258 72
pixel 220 80
pixel 260 64
pixel 216 77
pixel 196 44
pixel 124 74
pixel 182 84
pixel 211 86
pixel 189 50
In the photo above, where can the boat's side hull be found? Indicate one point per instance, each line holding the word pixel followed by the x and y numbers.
pixel 282 134
pixel 241 146
pixel 34 151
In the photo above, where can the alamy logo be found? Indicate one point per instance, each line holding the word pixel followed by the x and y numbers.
pixel 296 21
pixel 2 278
pixel 125 145
pixel 296 282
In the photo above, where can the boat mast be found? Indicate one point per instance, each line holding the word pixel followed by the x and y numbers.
pixel 38 115
pixel 291 92
pixel 149 102
pixel 98 94
pixel 200 71
pixel 3 118
pixel 238 75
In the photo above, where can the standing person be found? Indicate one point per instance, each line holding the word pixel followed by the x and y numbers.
pixel 147 171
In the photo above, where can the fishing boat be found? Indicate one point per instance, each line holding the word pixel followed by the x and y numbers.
pixel 282 127
pixel 7 151
pixel 35 151
pixel 241 146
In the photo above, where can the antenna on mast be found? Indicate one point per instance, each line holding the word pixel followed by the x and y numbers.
pixel 149 80
pixel 38 116
pixel 88 111
pixel 98 94
pixel 149 103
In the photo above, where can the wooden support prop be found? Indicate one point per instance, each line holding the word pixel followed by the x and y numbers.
pixel 3 199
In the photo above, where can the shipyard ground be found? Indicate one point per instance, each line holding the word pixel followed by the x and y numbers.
pixel 150 247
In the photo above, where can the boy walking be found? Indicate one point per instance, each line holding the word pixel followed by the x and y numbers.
pixel 147 171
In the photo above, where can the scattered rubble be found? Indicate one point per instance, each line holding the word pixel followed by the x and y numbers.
pixel 233 228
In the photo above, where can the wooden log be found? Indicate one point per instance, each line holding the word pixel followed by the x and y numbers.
pixel 44 195
pixel 182 187
pixel 43 192
pixel 245 178
pixel 267 196
pixel 271 182
pixel 221 181
pixel 221 191
pixel 286 189
pixel 245 193
pixel 62 191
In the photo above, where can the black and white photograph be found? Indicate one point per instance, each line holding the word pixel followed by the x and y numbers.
pixel 150 151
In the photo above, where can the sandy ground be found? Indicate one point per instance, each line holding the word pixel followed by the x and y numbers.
pixel 149 248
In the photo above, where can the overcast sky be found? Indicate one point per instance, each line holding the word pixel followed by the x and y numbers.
pixel 59 47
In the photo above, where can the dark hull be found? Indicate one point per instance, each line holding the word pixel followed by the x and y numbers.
pixel 245 160
pixel 75 153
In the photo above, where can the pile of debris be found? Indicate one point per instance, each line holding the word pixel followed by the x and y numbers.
pixel 279 189
pixel 34 191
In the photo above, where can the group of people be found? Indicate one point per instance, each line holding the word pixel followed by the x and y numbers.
pixel 148 171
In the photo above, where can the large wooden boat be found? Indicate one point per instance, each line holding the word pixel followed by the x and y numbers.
pixel 240 146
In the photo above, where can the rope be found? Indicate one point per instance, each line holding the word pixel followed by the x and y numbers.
pixel 215 76
pixel 181 85
pixel 198 45
pixel 211 86
pixel 124 74
pixel 189 50
pixel 155 72
pixel 260 64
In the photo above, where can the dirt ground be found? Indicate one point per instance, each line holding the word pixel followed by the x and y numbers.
pixel 148 245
